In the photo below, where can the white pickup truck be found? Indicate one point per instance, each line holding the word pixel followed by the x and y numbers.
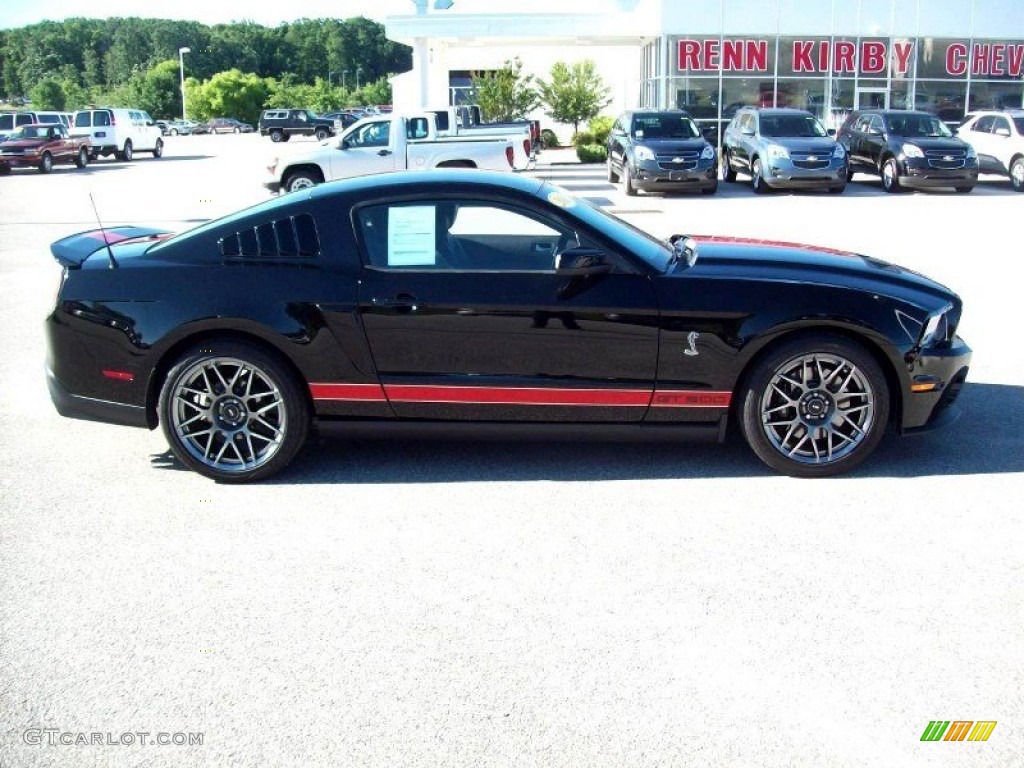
pixel 384 143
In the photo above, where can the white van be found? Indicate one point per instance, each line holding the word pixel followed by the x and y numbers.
pixel 118 132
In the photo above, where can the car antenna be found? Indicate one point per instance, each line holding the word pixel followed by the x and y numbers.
pixel 110 251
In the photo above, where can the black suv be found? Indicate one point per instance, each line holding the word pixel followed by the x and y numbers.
pixel 908 149
pixel 660 151
pixel 282 124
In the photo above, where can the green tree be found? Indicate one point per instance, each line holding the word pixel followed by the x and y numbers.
pixel 506 94
pixel 377 92
pixel 48 94
pixel 158 90
pixel 232 94
pixel 574 94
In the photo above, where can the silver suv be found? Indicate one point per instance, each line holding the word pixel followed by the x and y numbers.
pixel 784 148
pixel 998 138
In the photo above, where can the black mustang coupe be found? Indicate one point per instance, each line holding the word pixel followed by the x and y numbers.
pixel 466 301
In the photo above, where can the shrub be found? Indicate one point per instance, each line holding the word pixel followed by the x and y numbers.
pixel 591 153
pixel 582 138
pixel 601 127
pixel 548 139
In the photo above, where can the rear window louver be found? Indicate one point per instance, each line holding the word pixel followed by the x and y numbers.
pixel 292 237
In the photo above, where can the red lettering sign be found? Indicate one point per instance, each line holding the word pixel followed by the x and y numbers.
pixel 1016 57
pixel 956 59
pixel 711 54
pixel 732 55
pixel 998 57
pixel 823 60
pixel 757 55
pixel 872 57
pixel 802 56
pixel 903 51
pixel 689 54
pixel 845 53
pixel 979 59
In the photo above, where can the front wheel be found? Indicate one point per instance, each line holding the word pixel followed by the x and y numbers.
pixel 757 177
pixel 300 180
pixel 174 131
pixel 158 149
pixel 891 176
pixel 627 181
pixel 232 412
pixel 728 172
pixel 238 130
pixel 815 406
pixel 613 177
pixel 1017 174
pixel 46 163
pixel 82 158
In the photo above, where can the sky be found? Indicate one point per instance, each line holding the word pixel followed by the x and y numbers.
pixel 19 13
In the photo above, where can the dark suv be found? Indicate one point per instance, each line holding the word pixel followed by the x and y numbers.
pixel 660 151
pixel 908 149
pixel 282 124
pixel 782 148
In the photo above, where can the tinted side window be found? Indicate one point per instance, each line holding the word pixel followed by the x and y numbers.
pixel 1000 122
pixel 876 124
pixel 83 119
pixel 23 120
pixel 101 118
pixel 984 124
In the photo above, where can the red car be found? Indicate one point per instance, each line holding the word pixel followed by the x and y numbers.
pixel 40 146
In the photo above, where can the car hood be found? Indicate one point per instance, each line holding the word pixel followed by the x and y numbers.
pixel 822 144
pixel 666 146
pixel 23 143
pixel 794 262
pixel 939 144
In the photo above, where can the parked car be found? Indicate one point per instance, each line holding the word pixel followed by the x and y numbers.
pixel 660 151
pixel 466 300
pixel 782 148
pixel 346 118
pixel 164 129
pixel 11 121
pixel 119 132
pixel 388 143
pixel 201 127
pixel 181 127
pixel 998 140
pixel 282 124
pixel 907 149
pixel 42 146
pixel 227 125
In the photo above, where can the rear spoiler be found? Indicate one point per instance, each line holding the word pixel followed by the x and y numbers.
pixel 72 251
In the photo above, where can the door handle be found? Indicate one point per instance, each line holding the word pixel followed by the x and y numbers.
pixel 384 152
pixel 401 301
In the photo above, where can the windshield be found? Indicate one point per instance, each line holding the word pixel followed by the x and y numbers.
pixel 665 127
pixel 801 126
pixel 924 126
pixel 657 253
pixel 30 132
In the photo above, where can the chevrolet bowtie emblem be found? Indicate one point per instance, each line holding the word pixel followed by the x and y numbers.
pixel 948 158
pixel 811 158
pixel 677 160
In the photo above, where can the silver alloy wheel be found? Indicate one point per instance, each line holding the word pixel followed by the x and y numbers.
pixel 1017 175
pixel 228 414
pixel 817 408
pixel 300 182
pixel 889 180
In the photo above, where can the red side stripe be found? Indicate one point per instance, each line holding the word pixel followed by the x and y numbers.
pixel 370 392
pixel 120 375
pixel 411 393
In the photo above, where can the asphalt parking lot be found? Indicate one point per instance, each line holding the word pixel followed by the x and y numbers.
pixel 497 604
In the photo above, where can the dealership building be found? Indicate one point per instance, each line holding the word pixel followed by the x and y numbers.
pixel 712 56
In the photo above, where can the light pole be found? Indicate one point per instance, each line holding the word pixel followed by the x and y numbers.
pixel 358 70
pixel 181 67
pixel 343 73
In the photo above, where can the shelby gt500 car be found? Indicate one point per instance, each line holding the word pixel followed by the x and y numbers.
pixel 454 301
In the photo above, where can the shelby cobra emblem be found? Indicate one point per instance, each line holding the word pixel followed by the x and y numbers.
pixel 691 339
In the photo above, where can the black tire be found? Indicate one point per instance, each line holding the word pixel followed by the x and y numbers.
pixel 277 135
pixel 82 158
pixel 1017 174
pixel 849 174
pixel 45 163
pixel 965 190
pixel 728 172
pixel 321 134
pixel 261 417
pixel 814 406
pixel 627 181
pixel 127 153
pixel 613 177
pixel 286 137
pixel 710 190
pixel 891 176
pixel 757 177
pixel 5 170
pixel 158 149
pixel 174 131
pixel 302 179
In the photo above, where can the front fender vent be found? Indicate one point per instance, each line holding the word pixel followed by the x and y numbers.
pixel 292 237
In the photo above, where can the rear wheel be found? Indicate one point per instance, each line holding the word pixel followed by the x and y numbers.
pixel 5 170
pixel 237 129
pixel 276 135
pixel 174 131
pixel 82 158
pixel 728 172
pixel 158 149
pixel 46 163
pixel 1017 174
pixel 613 177
pixel 232 412
pixel 891 176
pixel 815 406
pixel 321 134
pixel 127 153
